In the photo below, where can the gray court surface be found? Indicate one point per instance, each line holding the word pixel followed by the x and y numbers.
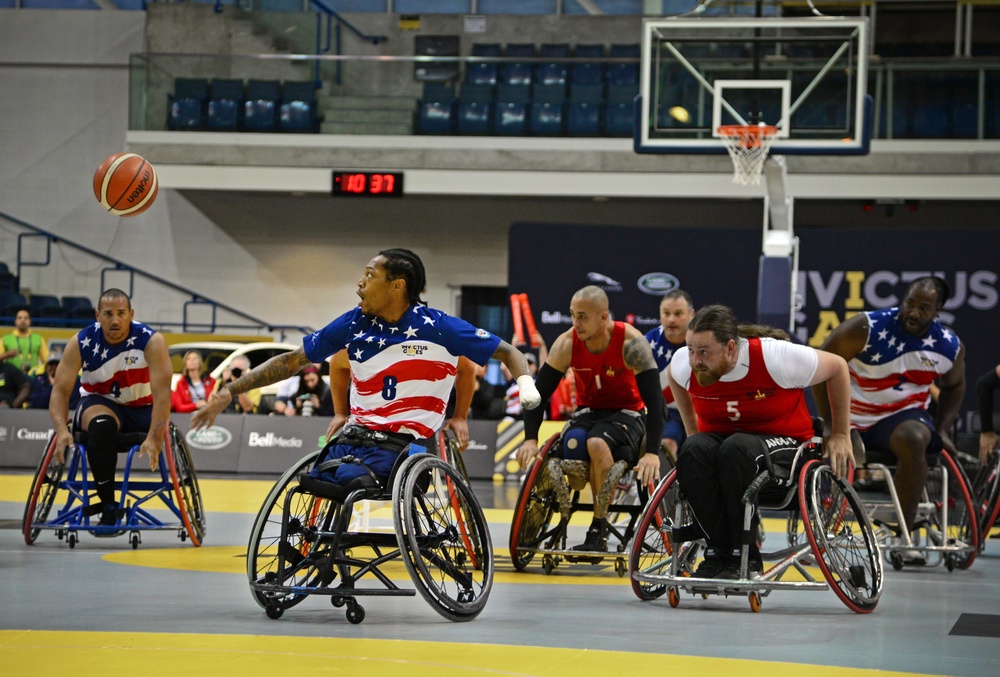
pixel 928 621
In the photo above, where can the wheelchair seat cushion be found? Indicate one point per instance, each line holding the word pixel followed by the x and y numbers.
pixel 339 492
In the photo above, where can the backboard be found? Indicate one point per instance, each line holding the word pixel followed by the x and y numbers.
pixel 806 76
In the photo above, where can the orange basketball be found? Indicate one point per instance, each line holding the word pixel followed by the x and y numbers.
pixel 125 184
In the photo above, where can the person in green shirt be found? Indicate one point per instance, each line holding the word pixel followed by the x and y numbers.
pixel 24 348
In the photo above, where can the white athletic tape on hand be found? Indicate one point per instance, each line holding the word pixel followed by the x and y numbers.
pixel 528 392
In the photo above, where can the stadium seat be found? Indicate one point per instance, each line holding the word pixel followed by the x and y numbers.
pixel 260 110
pixel 474 108
pixel 45 307
pixel 589 72
pixel 511 110
pixel 225 105
pixel 583 114
pixel 77 308
pixel 624 73
pixel 8 280
pixel 10 303
pixel 436 109
pixel 514 72
pixel 548 110
pixel 298 110
pixel 187 104
pixel 484 72
pixel 619 111
pixel 556 70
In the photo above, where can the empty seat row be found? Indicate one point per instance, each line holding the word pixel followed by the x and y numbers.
pixel 47 309
pixel 562 64
pixel 519 110
pixel 198 104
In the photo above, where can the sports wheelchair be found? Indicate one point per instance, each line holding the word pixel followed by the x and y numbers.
pixel 986 494
pixel 302 542
pixel 838 539
pixel 947 523
pixel 68 484
pixel 532 531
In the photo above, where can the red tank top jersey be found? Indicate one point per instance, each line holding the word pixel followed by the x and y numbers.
pixel 604 381
pixel 754 404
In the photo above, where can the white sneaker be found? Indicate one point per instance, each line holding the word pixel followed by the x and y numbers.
pixel 908 555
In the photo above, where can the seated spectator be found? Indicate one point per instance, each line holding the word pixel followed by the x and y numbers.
pixel 23 347
pixel 313 397
pixel 487 398
pixel 562 404
pixel 15 386
pixel 41 387
pixel 284 398
pixel 194 386
pixel 243 403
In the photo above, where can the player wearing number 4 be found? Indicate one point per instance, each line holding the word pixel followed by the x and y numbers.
pixel 403 358
pixel 125 387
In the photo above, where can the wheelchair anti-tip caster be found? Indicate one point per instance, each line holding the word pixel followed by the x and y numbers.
pixel 355 612
pixel 273 611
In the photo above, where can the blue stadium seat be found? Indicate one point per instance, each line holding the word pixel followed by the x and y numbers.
pixel 77 308
pixel 436 109
pixel 474 109
pixel 556 69
pixel 187 104
pixel 225 105
pixel 590 72
pixel 260 110
pixel 548 110
pixel 298 111
pixel 619 111
pixel 8 280
pixel 514 72
pixel 484 72
pixel 10 303
pixel 624 73
pixel 511 110
pixel 45 307
pixel 583 114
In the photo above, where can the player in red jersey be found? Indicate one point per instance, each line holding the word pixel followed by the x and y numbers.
pixel 619 398
pixel 740 392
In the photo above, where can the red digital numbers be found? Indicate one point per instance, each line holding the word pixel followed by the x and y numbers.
pixel 367 183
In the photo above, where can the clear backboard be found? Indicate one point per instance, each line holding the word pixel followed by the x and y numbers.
pixel 807 77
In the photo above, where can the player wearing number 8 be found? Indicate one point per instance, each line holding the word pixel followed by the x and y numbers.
pixel 404 359
pixel 739 389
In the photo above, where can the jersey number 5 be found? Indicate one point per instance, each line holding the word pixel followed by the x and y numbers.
pixel 734 413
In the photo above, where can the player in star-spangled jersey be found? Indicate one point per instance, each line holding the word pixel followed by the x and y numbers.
pixel 403 357
pixel 894 355
pixel 676 313
pixel 124 387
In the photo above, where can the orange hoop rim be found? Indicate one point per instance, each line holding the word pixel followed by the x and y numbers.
pixel 748 135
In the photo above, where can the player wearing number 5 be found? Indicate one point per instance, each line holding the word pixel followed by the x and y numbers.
pixel 124 387
pixel 404 359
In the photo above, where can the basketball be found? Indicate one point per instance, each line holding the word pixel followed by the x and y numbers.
pixel 125 184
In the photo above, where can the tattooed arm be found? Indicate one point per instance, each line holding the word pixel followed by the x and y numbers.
pixel 278 368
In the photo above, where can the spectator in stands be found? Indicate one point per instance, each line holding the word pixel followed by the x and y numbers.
pixel 562 404
pixel 988 441
pixel 284 399
pixel 41 387
pixel 512 394
pixel 15 386
pixel 487 398
pixel 243 403
pixel 193 387
pixel 24 348
pixel 313 397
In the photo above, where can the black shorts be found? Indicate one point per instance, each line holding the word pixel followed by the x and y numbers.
pixel 622 429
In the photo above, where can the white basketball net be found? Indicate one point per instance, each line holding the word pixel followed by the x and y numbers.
pixel 748 146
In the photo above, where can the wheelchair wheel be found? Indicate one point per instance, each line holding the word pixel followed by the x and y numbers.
pixel 185 482
pixel 536 501
pixel 433 505
pixel 986 494
pixel 265 536
pixel 449 452
pixel 841 536
pixel 42 495
pixel 652 550
pixel 963 518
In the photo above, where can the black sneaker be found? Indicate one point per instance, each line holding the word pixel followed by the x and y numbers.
pixel 596 541
pixel 109 516
pixel 711 566
pixel 732 570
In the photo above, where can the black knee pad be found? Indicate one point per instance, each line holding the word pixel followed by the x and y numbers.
pixel 102 432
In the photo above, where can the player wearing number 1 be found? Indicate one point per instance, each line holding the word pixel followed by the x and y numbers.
pixel 403 357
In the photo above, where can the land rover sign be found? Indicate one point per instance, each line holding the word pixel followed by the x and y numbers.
pixel 209 439
pixel 658 284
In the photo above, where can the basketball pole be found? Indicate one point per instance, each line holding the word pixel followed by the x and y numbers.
pixel 778 269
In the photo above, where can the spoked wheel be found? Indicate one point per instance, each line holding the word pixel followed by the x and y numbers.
pixel 652 549
pixel 42 495
pixel 265 537
pixel 454 573
pixel 536 501
pixel 963 517
pixel 986 494
pixel 448 450
pixel 841 536
pixel 185 483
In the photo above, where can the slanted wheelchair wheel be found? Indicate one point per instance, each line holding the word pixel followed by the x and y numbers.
pixel 454 573
pixel 841 536
pixel 651 550
pixel 42 495
pixel 986 494
pixel 536 502
pixel 963 517
pixel 265 538
pixel 449 452
pixel 185 483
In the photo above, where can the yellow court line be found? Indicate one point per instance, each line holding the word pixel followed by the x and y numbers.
pixel 94 654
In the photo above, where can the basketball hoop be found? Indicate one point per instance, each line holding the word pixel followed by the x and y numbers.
pixel 748 146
